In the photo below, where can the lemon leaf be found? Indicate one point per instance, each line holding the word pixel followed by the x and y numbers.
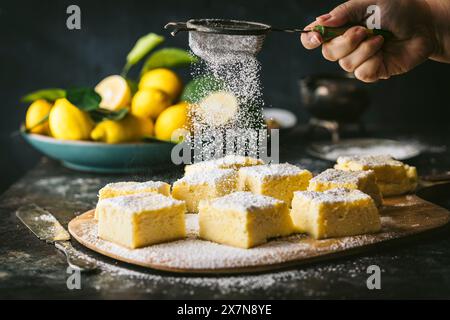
pixel 85 99
pixel 47 94
pixel 133 85
pixel 200 87
pixel 103 114
pixel 169 58
pixel 142 47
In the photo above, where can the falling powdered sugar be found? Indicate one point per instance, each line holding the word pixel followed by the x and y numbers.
pixel 230 61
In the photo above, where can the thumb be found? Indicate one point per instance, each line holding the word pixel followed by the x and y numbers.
pixel 353 11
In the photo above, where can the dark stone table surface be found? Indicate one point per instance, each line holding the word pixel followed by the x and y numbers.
pixel 29 268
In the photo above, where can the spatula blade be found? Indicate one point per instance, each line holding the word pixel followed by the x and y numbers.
pixel 42 223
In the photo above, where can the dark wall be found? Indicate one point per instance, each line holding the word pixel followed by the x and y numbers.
pixel 38 51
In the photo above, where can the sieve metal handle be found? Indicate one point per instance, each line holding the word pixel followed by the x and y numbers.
pixel 177 27
pixel 290 30
pixel 329 33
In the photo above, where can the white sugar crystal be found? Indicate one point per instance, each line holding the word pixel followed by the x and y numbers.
pixel 338 195
pixel 131 204
pixel 231 61
pixel 136 186
pixel 208 177
pixel 225 48
pixel 229 161
pixel 371 161
pixel 334 175
pixel 244 201
pixel 272 170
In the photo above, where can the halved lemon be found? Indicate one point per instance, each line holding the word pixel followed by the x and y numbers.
pixel 115 93
pixel 218 108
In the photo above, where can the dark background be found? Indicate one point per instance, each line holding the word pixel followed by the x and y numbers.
pixel 38 51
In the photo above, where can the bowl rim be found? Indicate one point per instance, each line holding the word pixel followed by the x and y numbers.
pixel 47 139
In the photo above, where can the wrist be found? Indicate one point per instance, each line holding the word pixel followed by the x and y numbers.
pixel 440 29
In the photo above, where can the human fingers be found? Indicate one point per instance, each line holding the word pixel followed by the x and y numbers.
pixel 372 69
pixel 345 44
pixel 362 53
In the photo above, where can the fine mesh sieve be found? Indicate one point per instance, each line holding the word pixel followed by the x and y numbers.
pixel 224 39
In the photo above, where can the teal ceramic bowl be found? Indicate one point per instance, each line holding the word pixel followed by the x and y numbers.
pixel 102 157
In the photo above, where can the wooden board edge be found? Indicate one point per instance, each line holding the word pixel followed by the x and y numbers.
pixel 256 269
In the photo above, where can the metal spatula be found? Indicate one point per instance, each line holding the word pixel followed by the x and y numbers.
pixel 45 226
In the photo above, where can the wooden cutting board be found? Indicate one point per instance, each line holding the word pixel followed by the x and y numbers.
pixel 401 217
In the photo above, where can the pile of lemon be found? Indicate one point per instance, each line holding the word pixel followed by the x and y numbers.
pixel 154 110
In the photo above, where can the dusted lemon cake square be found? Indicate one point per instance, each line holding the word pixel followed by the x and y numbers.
pixel 274 180
pixel 393 176
pixel 204 185
pixel 244 219
pixel 334 213
pixel 116 189
pixel 364 181
pixel 228 162
pixel 135 221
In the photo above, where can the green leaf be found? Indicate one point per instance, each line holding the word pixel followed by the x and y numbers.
pixel 142 47
pixel 133 85
pixel 104 114
pixel 200 87
pixel 50 95
pixel 85 99
pixel 169 58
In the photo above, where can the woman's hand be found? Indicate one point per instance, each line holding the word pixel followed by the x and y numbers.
pixel 372 58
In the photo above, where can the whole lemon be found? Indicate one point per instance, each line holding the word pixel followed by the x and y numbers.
pixel 129 129
pixel 36 113
pixel 171 119
pixel 67 122
pixel 115 93
pixel 149 103
pixel 163 79
pixel 146 126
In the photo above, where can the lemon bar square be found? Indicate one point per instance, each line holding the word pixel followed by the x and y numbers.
pixel 135 221
pixel 116 189
pixel 334 213
pixel 364 181
pixel 393 176
pixel 274 180
pixel 228 162
pixel 244 219
pixel 204 185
